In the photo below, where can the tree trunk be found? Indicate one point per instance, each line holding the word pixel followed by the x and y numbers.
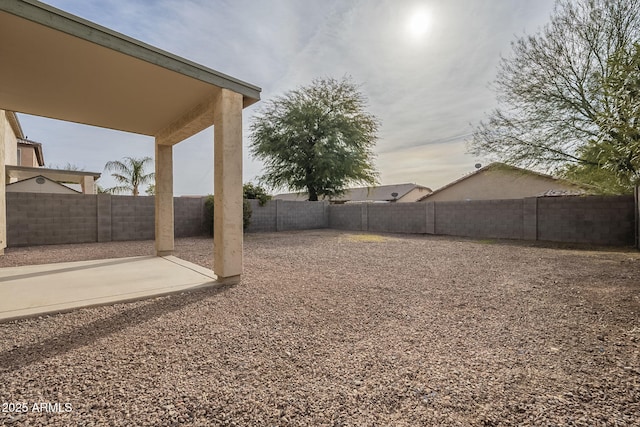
pixel 313 194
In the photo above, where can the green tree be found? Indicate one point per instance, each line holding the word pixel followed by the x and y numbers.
pixel 253 191
pixel 129 174
pixel 614 157
pixel 151 190
pixel 317 138
pixel 568 96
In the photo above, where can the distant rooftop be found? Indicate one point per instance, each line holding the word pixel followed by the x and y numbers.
pixel 505 167
pixel 382 193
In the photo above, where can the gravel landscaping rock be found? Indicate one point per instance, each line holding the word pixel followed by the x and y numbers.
pixel 333 328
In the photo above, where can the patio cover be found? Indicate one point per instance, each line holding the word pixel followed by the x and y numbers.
pixel 57 65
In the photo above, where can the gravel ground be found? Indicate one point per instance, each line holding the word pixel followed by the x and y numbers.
pixel 343 329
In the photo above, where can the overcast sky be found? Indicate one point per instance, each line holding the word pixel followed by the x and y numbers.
pixel 425 67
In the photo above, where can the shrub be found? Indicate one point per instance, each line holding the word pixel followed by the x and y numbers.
pixel 208 213
pixel 253 191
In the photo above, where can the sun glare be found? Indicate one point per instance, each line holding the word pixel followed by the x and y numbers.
pixel 418 23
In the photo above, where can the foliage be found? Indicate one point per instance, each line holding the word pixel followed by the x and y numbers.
pixel 252 191
pixel 209 208
pixel 129 174
pixel 68 167
pixel 151 190
pixel 317 138
pixel 569 96
pixel 601 180
pixel 208 213
pixel 614 158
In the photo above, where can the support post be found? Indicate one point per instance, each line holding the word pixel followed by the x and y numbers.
pixel 164 199
pixel 227 188
pixel 88 185
pixel 3 195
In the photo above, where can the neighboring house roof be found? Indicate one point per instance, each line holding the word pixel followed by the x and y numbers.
pixel 497 166
pixel 36 146
pixel 39 184
pixel 15 124
pixel 382 193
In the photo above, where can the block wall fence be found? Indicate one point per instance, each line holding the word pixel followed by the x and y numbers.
pixel 36 219
pixel 45 219
pixel 285 215
pixel 600 220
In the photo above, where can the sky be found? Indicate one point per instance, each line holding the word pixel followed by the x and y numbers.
pixel 426 68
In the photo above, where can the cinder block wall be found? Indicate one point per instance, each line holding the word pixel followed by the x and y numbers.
pixel 599 220
pixel 263 218
pixel 500 219
pixel 348 217
pixel 132 218
pixel 292 215
pixel 42 219
pixel 285 215
pixel 188 216
pixel 594 219
pixel 36 219
pixel 397 217
pixel 497 219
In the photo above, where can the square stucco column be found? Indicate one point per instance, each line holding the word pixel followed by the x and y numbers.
pixel 164 199
pixel 88 185
pixel 227 186
pixel 3 194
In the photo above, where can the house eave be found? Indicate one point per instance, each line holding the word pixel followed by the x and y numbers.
pixel 12 118
pixel 60 175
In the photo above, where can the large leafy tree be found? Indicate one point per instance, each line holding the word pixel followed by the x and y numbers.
pixel 569 96
pixel 317 138
pixel 130 174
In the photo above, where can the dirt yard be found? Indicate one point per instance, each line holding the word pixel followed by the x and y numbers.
pixel 342 329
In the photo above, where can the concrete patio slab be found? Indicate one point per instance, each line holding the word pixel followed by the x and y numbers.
pixel 52 288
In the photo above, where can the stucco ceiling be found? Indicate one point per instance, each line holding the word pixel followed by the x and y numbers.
pixel 56 65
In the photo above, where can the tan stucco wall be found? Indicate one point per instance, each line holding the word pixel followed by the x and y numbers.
pixel 28 157
pixel 10 141
pixel 499 184
pixel 7 136
pixel 413 195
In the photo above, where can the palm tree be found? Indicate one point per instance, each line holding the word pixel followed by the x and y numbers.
pixel 129 174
